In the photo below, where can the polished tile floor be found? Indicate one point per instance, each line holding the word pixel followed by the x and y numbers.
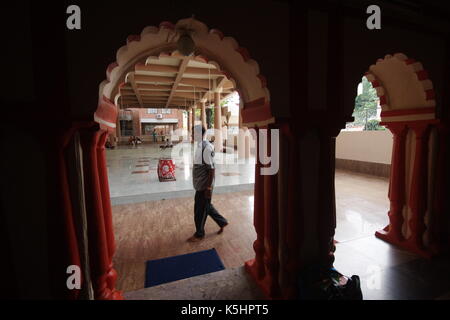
pixel 157 229
pixel 132 172
pixel 386 272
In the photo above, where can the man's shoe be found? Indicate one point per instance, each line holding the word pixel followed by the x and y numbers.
pixel 221 229
pixel 194 238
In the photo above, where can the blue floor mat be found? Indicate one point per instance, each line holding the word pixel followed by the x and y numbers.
pixel 181 267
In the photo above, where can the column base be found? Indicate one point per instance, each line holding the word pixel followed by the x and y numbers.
pixel 405 244
pixel 110 295
pixel 263 283
pixel 117 295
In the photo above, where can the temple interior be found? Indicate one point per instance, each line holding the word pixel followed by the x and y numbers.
pixel 329 130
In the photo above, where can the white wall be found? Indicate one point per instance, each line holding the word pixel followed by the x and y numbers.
pixel 368 146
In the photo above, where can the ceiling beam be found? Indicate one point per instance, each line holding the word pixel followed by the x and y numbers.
pixel 162 104
pixel 218 84
pixel 153 79
pixel 173 69
pixel 181 70
pixel 187 95
pixel 156 68
pixel 159 104
pixel 163 98
pixel 154 93
pixel 181 88
pixel 127 93
pixel 166 90
pixel 145 86
pixel 203 71
pixel 127 98
pixel 190 89
pixel 198 83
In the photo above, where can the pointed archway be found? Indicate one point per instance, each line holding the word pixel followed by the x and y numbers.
pixel 407 99
pixel 212 47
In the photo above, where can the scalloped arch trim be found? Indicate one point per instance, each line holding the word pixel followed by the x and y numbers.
pixel 406 93
pixel 225 53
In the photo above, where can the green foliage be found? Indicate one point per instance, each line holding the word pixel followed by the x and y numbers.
pixel 373 125
pixel 365 104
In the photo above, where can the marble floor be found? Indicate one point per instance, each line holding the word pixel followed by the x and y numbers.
pixel 132 173
pixel 386 272
pixel 228 284
pixel 157 229
pixel 361 205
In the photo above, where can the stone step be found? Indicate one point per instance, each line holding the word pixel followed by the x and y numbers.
pixel 228 284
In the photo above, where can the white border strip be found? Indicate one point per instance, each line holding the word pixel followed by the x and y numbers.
pixel 106 123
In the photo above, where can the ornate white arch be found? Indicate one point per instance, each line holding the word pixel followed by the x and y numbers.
pixel 224 52
pixel 405 91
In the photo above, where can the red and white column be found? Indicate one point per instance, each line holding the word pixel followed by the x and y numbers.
pixel 107 213
pixel 99 255
pixel 290 235
pixel 418 193
pixel 276 218
pixel 393 232
pixel 256 266
pixel 71 240
pixel 415 213
pixel 271 216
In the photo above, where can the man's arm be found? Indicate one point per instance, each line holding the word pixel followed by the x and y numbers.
pixel 208 191
pixel 210 162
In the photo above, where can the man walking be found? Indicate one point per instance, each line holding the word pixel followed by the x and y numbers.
pixel 203 180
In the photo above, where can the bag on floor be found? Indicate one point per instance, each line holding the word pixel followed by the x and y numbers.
pixel 329 285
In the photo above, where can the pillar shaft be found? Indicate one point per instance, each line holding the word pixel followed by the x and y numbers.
pixel 397 182
pixel 418 193
pixel 327 204
pixel 190 124
pixel 107 214
pixel 440 229
pixel 68 215
pixel 102 274
pixel 98 249
pixel 218 141
pixel 291 235
pixel 193 122
pixel 271 230
pixel 203 114
pixel 256 266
